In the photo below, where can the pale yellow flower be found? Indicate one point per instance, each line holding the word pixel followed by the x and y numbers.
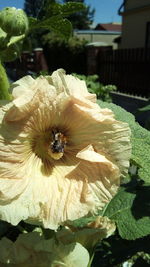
pixel 88 235
pixel 61 155
pixel 32 250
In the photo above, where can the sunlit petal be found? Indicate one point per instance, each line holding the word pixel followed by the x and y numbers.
pixel 61 155
pixel 33 250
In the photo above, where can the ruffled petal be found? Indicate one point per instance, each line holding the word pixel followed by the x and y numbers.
pixel 89 234
pixel 71 85
pixel 28 93
pixel 33 250
pixel 89 154
pixel 98 127
pixel 36 187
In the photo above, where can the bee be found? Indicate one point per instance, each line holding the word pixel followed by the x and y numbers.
pixel 58 144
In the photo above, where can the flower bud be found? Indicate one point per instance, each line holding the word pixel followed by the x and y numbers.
pixel 13 21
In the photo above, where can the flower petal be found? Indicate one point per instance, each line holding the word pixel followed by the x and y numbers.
pixel 71 85
pixel 89 154
pixel 23 85
pixel 90 234
pixel 33 250
pixel 28 93
pixel 36 187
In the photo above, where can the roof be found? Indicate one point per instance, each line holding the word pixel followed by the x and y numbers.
pixel 96 32
pixel 97 44
pixel 115 27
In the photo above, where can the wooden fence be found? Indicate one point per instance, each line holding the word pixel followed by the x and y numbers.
pixel 128 69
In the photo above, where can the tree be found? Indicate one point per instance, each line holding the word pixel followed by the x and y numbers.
pixel 35 8
pixel 80 20
pixel 83 19
pixel 32 7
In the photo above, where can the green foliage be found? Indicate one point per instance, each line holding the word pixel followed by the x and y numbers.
pixel 12 50
pixel 145 108
pixel 140 138
pixel 95 87
pixel 130 207
pixel 53 9
pixel 62 53
pixel 13 29
pixel 130 211
pixel 43 9
pixel 32 8
pixel 4 84
pixel 15 22
pixel 83 18
pixel 115 251
pixel 53 41
pixel 11 53
pixel 56 24
pixel 52 17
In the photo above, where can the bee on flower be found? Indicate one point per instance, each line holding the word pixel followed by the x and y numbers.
pixel 61 155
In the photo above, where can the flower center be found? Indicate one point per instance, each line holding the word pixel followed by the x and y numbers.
pixel 57 145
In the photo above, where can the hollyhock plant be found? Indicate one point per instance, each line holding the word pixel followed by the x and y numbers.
pixel 31 249
pixel 88 234
pixel 61 155
pixel 68 247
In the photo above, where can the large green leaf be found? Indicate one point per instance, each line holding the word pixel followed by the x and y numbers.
pixel 140 139
pixel 63 10
pixel 54 19
pixel 56 24
pixel 131 213
pixel 71 7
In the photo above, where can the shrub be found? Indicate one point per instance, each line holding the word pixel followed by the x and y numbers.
pixel 94 86
pixel 60 53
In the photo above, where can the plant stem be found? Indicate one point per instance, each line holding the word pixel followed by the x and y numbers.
pixel 4 84
pixel 91 259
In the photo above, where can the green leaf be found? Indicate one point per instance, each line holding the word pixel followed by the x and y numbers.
pixel 146 108
pixel 12 52
pixel 53 9
pixel 82 222
pixel 4 84
pixel 71 7
pixel 140 139
pixel 131 213
pixel 16 39
pixel 63 10
pixel 61 26
pixel 3 39
pixel 32 22
pixel 56 24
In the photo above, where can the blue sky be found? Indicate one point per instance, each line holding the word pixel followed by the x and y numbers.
pixel 105 10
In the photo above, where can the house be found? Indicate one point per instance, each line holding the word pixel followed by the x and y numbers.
pixel 111 27
pixel 135 24
pixel 99 36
